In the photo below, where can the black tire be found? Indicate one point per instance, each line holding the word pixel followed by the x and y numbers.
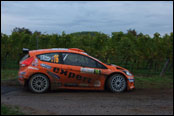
pixel 38 83
pixel 117 83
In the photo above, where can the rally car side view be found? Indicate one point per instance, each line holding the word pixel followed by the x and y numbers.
pixel 60 68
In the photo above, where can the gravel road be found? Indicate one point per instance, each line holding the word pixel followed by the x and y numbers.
pixel 73 102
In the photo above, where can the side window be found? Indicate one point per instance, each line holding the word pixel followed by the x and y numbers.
pixel 50 57
pixel 73 59
pixel 78 60
pixel 90 62
pixel 100 66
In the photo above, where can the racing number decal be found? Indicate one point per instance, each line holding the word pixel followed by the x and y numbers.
pixel 55 58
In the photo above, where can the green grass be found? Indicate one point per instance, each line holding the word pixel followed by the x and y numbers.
pixel 8 110
pixel 154 82
pixel 8 74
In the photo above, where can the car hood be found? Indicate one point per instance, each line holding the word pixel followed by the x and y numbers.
pixel 117 67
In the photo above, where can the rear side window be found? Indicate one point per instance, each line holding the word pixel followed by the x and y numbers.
pixel 25 57
pixel 50 57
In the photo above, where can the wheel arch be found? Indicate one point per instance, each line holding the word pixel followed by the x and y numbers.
pixel 27 80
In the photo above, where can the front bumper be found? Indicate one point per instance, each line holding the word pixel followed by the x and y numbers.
pixel 130 83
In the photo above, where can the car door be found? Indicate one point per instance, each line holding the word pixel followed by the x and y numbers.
pixel 81 70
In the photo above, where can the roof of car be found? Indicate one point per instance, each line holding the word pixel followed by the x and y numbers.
pixel 72 50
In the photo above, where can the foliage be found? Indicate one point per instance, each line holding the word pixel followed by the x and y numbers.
pixel 126 49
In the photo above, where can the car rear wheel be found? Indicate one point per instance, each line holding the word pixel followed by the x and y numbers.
pixel 116 83
pixel 39 83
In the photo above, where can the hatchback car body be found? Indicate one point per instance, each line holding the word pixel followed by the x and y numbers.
pixel 60 68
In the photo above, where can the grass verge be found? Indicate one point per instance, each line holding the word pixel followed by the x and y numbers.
pixel 8 74
pixel 8 110
pixel 154 82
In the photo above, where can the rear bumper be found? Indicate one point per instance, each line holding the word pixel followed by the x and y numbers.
pixel 21 78
pixel 21 81
pixel 24 74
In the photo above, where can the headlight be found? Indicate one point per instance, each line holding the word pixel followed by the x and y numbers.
pixel 127 72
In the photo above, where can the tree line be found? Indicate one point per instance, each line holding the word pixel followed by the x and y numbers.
pixel 137 49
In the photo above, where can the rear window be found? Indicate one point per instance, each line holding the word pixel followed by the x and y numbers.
pixel 25 57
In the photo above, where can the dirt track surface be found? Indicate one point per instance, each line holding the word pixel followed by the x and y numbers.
pixel 68 102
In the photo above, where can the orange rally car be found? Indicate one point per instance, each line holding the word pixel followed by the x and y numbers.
pixel 60 68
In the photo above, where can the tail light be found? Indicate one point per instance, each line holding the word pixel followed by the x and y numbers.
pixel 27 62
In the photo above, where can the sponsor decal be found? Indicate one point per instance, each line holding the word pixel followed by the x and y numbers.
pixel 83 85
pixel 97 83
pixel 21 74
pixel 53 75
pixel 79 77
pixel 45 58
pixel 45 66
pixel 72 75
pixel 56 70
pixel 63 72
pixel 35 63
pixel 97 71
pixel 30 67
pixel 71 84
pixel 131 80
pixel 89 70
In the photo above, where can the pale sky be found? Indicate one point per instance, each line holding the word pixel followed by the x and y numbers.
pixel 147 17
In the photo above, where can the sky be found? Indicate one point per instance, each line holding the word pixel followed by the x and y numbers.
pixel 50 17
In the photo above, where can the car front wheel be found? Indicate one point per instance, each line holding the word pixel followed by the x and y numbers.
pixel 116 83
pixel 39 83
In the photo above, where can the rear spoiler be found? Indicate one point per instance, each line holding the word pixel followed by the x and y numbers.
pixel 25 50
